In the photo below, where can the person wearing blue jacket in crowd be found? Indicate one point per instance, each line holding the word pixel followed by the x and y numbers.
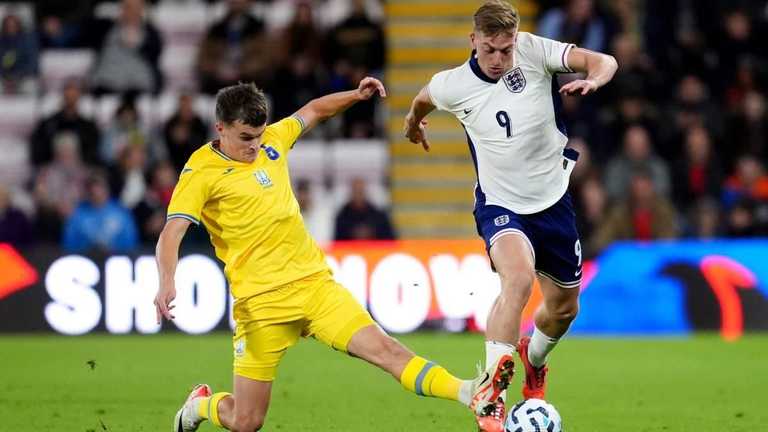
pixel 100 223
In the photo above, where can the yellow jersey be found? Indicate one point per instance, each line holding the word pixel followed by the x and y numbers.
pixel 250 212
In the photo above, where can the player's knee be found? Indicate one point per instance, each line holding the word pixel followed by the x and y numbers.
pixel 516 280
pixel 566 312
pixel 249 423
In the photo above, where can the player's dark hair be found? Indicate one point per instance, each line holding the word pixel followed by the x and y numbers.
pixel 244 102
pixel 495 17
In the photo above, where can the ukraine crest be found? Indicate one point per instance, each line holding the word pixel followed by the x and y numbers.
pixel 263 178
pixel 515 80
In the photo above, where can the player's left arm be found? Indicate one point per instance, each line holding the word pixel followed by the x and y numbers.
pixel 323 108
pixel 599 68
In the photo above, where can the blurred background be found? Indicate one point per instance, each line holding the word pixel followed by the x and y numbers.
pixel 103 102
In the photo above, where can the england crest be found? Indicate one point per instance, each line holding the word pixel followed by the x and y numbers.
pixel 501 220
pixel 515 80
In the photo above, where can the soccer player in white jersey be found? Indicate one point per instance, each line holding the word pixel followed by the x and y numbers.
pixel 506 98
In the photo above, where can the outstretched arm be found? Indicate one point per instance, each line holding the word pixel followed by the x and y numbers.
pixel 415 125
pixel 167 256
pixel 325 107
pixel 598 67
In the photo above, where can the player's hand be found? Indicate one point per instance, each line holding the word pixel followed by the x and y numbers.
pixel 163 304
pixel 579 87
pixel 370 86
pixel 416 132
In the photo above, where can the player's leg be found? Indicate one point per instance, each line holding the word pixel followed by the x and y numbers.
pixel 416 374
pixel 266 326
pixel 559 267
pixel 246 409
pixel 512 256
pixel 338 320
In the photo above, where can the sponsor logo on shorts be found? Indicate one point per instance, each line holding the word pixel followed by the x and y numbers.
pixel 240 347
pixel 501 220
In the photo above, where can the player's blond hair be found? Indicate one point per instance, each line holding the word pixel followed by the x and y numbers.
pixel 495 17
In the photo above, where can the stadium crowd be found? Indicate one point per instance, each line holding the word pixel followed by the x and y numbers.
pixel 675 147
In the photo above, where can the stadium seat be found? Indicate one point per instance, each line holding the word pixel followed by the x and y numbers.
pixel 180 23
pixel 368 159
pixel 14 165
pixel 18 117
pixel 58 65
pixel 309 160
pixel 177 63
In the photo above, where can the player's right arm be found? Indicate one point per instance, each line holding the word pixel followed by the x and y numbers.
pixel 167 256
pixel 415 125
pixel 185 208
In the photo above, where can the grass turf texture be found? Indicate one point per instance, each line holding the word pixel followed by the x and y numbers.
pixel 136 383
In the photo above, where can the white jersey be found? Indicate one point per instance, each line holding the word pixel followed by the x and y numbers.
pixel 516 139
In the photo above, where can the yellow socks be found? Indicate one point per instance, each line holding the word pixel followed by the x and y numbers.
pixel 429 379
pixel 209 407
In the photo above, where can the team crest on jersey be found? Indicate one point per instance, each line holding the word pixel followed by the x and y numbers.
pixel 515 80
pixel 263 178
pixel 501 220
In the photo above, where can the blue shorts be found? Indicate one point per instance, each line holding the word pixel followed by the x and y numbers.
pixel 550 233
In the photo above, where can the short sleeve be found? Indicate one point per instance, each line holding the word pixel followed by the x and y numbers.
pixel 555 55
pixel 283 134
pixel 439 91
pixel 189 196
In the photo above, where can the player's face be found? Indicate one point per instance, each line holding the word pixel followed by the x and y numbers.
pixel 495 54
pixel 240 141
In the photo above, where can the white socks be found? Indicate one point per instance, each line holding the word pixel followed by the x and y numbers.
pixel 494 350
pixel 539 347
pixel 465 392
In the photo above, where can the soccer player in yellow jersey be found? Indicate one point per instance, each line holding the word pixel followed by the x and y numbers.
pixel 238 186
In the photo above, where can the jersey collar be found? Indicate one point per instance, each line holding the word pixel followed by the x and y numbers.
pixel 475 66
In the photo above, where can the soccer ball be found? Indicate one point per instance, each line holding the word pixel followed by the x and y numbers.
pixel 533 415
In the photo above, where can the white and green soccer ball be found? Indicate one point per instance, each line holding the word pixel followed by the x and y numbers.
pixel 533 415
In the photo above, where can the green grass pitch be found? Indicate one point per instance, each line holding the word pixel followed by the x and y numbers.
pixel 137 383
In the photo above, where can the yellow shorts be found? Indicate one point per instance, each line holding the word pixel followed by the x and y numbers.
pixel 267 324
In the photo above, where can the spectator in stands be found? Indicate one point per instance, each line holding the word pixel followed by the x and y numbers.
pixel 577 22
pixel 591 202
pixel 129 53
pixel 15 227
pixel 127 181
pixel 698 174
pixel 644 215
pixel 357 42
pixel 748 129
pixel 638 154
pixel 704 220
pixel 318 219
pixel 294 85
pixel 692 107
pixel 235 49
pixel 99 224
pixel 61 22
pixel 749 182
pixel 58 187
pixel 18 57
pixel 151 211
pixel 125 131
pixel 301 36
pixel 67 120
pixel 741 220
pixel 358 219
pixel 184 132
pixel 737 41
